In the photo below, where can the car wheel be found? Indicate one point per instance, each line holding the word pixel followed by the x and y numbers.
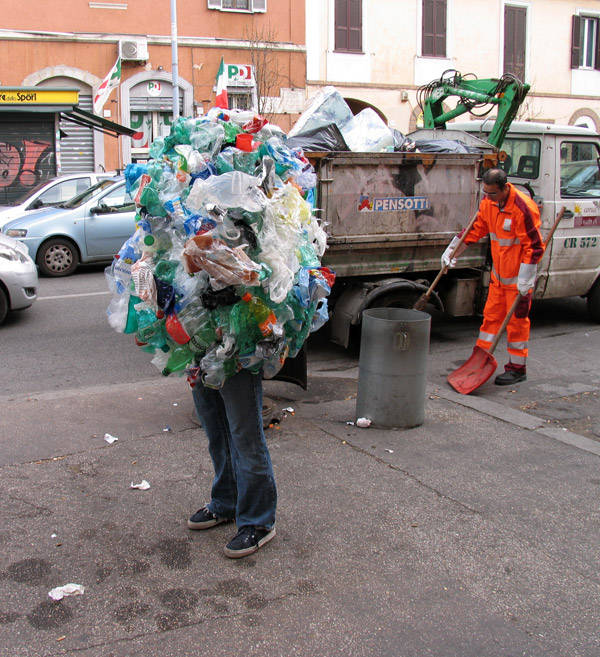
pixel 593 303
pixel 3 305
pixel 57 257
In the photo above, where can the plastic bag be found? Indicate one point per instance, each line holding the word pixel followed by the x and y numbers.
pixel 324 138
pixel 367 133
pixel 233 189
pixel 225 265
pixel 328 106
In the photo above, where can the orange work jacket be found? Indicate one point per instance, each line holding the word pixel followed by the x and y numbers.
pixel 514 234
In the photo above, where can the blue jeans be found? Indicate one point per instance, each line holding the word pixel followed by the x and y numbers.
pixel 244 484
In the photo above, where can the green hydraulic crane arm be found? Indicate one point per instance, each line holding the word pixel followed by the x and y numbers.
pixel 506 93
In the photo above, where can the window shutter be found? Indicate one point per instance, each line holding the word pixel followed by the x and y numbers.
pixel 575 41
pixel 259 5
pixel 433 32
pixel 214 4
pixel 355 25
pixel 440 28
pixel 341 25
pixel 427 44
pixel 597 53
pixel 515 25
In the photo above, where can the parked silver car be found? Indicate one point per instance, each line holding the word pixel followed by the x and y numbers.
pixel 18 277
pixel 91 227
pixel 50 192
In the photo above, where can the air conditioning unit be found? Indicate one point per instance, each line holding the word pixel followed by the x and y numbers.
pixel 134 50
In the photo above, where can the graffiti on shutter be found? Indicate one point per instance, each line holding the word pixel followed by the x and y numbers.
pixel 27 155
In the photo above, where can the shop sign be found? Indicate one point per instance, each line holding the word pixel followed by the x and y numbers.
pixel 154 88
pixel 240 76
pixel 28 96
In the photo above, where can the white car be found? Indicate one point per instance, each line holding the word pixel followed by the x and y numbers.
pixel 18 276
pixel 50 192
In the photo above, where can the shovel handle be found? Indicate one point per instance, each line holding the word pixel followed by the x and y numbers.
pixel 509 314
pixel 422 300
pixel 559 216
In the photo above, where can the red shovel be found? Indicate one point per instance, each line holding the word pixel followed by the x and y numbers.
pixel 481 364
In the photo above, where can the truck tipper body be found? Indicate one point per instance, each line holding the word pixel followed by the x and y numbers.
pixel 390 216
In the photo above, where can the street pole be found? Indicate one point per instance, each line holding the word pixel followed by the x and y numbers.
pixel 174 63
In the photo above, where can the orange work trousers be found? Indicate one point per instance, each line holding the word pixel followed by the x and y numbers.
pixel 499 301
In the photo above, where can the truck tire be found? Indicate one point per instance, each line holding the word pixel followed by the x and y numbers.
pixel 593 303
pixel 57 257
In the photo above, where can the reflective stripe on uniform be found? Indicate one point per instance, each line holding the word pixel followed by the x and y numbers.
pixel 517 345
pixel 504 241
pixel 486 337
pixel 517 360
pixel 504 281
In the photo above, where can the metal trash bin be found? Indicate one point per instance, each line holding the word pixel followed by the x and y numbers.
pixel 392 372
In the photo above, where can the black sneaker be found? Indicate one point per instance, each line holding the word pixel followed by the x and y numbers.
pixel 248 540
pixel 510 376
pixel 204 519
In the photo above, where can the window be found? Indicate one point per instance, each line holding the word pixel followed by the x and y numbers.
pixel 433 43
pixel 63 191
pixel 579 170
pixel 348 25
pixel 522 157
pixel 238 5
pixel 585 44
pixel 240 98
pixel 515 26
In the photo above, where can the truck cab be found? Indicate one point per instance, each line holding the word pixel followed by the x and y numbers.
pixel 559 167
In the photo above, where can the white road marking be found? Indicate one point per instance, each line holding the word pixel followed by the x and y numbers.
pixel 71 296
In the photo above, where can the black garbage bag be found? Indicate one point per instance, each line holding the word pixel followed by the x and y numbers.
pixel 444 146
pixel 326 138
pixel 402 142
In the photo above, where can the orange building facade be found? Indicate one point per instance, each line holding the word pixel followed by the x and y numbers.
pixel 73 45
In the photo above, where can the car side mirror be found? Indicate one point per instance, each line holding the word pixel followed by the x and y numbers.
pixel 38 203
pixel 100 209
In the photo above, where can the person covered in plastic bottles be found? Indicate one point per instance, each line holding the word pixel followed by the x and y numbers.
pixel 512 221
pixel 222 280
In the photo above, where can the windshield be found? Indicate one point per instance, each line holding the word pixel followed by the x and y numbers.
pixel 82 198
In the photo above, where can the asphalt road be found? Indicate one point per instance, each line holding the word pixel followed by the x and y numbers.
pixel 64 341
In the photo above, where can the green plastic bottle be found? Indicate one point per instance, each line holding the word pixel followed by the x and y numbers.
pixel 179 358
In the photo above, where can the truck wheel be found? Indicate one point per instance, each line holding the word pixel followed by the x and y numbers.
pixel 57 257
pixel 593 303
pixel 3 305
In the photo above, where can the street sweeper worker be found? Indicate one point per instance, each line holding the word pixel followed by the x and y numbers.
pixel 511 220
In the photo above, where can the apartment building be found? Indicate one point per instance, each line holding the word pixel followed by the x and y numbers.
pixel 379 52
pixel 73 44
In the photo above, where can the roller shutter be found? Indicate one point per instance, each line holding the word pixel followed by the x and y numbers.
pixel 77 142
pixel 27 153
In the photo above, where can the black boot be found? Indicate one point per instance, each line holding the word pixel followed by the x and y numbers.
pixel 512 374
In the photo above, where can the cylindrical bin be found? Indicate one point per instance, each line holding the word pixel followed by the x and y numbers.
pixel 393 366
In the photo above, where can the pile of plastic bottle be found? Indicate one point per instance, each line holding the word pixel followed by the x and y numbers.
pixel 224 269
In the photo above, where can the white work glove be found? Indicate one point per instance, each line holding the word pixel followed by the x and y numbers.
pixel 526 280
pixel 449 256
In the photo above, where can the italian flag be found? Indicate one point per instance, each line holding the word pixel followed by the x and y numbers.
pixel 111 81
pixel 222 100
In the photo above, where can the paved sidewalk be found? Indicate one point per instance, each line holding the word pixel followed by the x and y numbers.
pixel 472 535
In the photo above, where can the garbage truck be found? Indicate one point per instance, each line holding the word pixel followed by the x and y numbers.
pixel 389 216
